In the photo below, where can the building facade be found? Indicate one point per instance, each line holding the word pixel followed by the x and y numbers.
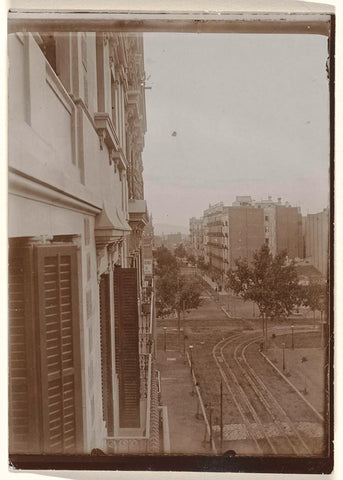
pixel 226 233
pixel 216 237
pixel 81 366
pixel 282 226
pixel 230 232
pixel 196 229
pixel 317 240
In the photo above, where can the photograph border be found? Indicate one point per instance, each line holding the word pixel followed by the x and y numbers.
pixel 193 22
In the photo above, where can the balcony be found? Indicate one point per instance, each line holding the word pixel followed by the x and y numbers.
pixel 146 438
pixel 138 213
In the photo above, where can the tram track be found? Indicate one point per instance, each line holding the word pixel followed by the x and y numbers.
pixel 255 402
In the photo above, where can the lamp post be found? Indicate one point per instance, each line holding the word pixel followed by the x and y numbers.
pixel 292 327
pixel 283 356
pixel 165 339
pixel 191 356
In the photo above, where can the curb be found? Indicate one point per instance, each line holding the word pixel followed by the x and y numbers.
pixel 213 446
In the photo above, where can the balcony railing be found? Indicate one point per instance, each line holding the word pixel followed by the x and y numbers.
pixel 149 441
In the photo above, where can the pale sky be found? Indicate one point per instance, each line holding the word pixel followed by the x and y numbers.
pixel 251 116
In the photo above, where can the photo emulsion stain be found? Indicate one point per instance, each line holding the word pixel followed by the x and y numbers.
pixel 169 251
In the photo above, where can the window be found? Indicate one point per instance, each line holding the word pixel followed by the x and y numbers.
pixel 45 398
pixel 266 218
pixel 126 345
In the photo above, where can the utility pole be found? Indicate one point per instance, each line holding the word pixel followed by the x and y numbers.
pixel 165 339
pixel 283 357
pixel 211 432
pixel 292 327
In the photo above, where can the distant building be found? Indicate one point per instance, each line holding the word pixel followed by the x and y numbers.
pixel 245 232
pixel 158 241
pixel 283 228
pixel 317 240
pixel 196 228
pixel 231 233
pixel 174 238
pixel 226 233
pixel 216 237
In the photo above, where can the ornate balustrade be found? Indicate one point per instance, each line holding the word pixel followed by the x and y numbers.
pixel 149 442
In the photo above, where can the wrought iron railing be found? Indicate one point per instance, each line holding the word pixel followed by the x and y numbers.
pixel 146 319
pixel 149 441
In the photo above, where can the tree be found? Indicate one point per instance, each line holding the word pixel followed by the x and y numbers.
pixel 314 296
pixel 191 259
pixel 202 264
pixel 269 282
pixel 176 293
pixel 166 262
pixel 180 251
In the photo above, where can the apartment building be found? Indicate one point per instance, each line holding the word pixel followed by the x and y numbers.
pixel 231 232
pixel 226 233
pixel 317 240
pixel 196 229
pixel 81 366
pixel 282 225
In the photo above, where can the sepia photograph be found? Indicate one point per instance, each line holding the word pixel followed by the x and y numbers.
pixel 170 251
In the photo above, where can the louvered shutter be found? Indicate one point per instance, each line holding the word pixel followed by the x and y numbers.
pixel 23 396
pixel 57 288
pixel 106 353
pixel 127 355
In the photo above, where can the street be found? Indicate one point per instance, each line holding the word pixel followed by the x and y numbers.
pixel 272 402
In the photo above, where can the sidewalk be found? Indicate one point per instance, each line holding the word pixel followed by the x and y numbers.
pixel 186 428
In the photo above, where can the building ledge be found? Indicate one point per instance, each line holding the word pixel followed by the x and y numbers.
pixel 110 226
pixel 138 213
pixel 108 136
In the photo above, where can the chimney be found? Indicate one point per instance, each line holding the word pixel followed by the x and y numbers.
pixel 279 199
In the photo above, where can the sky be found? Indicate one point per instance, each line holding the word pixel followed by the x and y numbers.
pixel 250 115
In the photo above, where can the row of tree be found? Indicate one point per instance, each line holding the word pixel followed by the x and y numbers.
pixel 175 292
pixel 273 284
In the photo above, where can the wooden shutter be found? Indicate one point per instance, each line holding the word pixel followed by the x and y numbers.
pixel 106 353
pixel 57 288
pixel 127 355
pixel 23 395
